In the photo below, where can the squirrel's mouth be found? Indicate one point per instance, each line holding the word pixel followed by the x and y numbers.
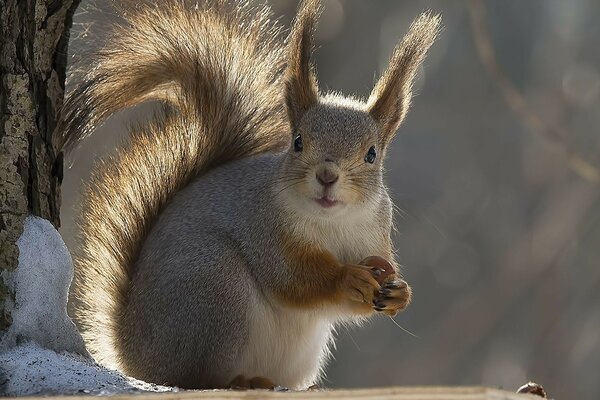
pixel 327 202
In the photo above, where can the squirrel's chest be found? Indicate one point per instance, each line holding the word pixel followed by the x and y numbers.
pixel 350 244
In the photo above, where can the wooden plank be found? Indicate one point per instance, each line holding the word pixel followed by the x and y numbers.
pixel 394 393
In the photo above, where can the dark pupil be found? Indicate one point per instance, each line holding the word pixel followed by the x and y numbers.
pixel 298 143
pixel 371 155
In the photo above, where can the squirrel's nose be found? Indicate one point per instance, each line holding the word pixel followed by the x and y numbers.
pixel 326 177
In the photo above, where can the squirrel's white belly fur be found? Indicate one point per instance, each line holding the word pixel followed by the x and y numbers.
pixel 289 346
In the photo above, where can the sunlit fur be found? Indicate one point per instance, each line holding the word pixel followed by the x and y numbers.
pixel 205 248
pixel 209 60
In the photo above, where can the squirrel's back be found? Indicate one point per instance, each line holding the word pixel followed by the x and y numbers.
pixel 219 67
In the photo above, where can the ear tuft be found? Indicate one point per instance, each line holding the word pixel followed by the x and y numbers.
pixel 390 99
pixel 301 90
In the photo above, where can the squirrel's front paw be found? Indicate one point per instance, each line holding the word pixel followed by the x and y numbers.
pixel 393 297
pixel 360 285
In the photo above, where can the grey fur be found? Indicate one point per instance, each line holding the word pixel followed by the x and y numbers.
pixel 202 239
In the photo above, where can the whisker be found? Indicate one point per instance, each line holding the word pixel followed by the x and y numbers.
pixel 288 186
pixel 355 166
pixel 404 329
pixel 302 161
pixel 290 178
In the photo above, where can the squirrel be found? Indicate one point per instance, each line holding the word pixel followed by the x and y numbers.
pixel 222 244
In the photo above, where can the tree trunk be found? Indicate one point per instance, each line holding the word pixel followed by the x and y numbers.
pixel 33 56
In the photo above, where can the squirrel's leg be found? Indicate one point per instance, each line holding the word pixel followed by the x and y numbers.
pixel 186 325
pixel 317 277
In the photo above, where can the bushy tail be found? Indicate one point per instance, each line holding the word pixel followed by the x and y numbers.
pixel 220 67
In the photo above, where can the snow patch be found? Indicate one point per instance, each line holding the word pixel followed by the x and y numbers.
pixel 42 352
pixel 31 370
pixel 41 286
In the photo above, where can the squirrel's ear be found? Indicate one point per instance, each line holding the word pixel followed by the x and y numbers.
pixel 390 99
pixel 301 90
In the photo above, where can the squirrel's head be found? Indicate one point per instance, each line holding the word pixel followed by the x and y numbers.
pixel 334 165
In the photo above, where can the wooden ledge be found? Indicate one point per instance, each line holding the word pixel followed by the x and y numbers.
pixel 394 393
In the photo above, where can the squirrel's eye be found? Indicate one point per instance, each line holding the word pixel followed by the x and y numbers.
pixel 371 155
pixel 298 143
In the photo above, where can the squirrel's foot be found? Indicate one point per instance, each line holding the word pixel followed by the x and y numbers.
pixel 240 382
pixel 360 285
pixel 393 297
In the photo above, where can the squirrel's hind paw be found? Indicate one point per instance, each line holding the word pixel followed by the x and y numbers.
pixel 240 382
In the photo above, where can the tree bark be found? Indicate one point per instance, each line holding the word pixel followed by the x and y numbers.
pixel 34 37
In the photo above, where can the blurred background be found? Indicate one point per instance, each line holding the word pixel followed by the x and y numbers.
pixel 495 174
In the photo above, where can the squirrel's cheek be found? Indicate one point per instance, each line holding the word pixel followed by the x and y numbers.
pixel 353 194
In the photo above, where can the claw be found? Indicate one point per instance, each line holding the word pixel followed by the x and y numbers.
pixel 395 285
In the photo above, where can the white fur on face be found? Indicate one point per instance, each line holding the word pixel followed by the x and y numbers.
pixel 350 231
